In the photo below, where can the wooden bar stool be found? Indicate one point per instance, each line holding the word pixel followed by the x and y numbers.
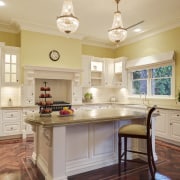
pixel 141 132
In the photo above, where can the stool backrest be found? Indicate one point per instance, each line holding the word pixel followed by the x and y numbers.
pixel 149 120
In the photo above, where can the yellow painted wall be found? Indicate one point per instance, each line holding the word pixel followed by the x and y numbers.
pixel 98 51
pixel 10 39
pixel 35 48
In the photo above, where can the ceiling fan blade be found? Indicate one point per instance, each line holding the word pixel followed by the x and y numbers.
pixel 134 25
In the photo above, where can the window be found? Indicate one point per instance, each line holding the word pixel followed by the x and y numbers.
pixel 139 82
pixel 161 81
pixel 155 81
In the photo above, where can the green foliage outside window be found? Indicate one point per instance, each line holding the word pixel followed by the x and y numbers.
pixel 160 79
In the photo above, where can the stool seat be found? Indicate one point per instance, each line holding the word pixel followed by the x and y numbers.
pixel 133 129
pixel 140 132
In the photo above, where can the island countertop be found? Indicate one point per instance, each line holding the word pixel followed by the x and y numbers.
pixel 86 116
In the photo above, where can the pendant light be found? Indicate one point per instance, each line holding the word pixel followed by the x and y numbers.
pixel 117 33
pixel 67 22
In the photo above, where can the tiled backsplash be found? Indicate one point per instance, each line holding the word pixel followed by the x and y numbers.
pixel 59 89
pixel 107 94
pixel 13 93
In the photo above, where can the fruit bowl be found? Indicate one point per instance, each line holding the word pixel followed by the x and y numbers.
pixel 66 112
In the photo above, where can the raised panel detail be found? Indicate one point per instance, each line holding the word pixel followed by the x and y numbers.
pixel 77 143
pixel 175 131
pixel 104 138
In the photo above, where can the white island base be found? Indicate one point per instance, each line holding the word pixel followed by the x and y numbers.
pixel 62 151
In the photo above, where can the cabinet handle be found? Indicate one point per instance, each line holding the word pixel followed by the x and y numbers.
pixel 177 114
pixel 171 123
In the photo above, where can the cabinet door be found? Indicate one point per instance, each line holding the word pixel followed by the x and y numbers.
pixel 86 65
pixel 97 72
pixel 162 124
pixel 109 72
pixel 10 65
pixel 120 73
pixel 175 125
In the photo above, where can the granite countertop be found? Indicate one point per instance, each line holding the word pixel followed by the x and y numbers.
pixel 167 107
pixel 86 116
pixel 18 107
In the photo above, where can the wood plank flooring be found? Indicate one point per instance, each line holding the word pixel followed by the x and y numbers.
pixel 15 164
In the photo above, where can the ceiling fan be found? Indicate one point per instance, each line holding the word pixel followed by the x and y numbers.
pixel 118 32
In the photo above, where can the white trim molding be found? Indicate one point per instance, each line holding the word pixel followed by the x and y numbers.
pixel 149 61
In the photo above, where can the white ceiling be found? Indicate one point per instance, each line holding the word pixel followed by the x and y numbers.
pixel 95 17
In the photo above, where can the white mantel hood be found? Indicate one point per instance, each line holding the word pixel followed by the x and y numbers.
pixel 51 73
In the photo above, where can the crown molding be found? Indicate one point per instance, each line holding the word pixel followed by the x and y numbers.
pixel 24 25
pixel 9 27
pixel 17 25
pixel 149 34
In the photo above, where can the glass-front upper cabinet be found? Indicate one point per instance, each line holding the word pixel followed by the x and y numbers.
pixel 120 74
pixel 10 65
pixel 97 71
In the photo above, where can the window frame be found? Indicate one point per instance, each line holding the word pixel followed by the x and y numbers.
pixel 149 79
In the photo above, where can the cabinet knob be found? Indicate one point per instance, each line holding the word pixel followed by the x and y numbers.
pixel 177 114
pixel 11 128
pixel 171 123
pixel 11 115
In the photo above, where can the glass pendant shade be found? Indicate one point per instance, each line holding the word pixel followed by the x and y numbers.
pixel 67 22
pixel 117 33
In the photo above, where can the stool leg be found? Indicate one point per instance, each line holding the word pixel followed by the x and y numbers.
pixel 149 154
pixel 125 152
pixel 152 156
pixel 119 154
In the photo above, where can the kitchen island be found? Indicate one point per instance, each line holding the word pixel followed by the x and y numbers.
pixel 64 146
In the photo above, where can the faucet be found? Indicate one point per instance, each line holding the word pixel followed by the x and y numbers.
pixel 144 99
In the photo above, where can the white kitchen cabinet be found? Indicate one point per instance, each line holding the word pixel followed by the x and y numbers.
pixel 103 72
pixel 28 88
pixel 109 72
pixel 28 112
pixel 97 72
pixel 86 74
pixel 162 123
pixel 175 125
pixel 168 125
pixel 11 122
pixel 120 73
pixel 10 65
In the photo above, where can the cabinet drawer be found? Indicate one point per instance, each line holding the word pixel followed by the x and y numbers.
pixel 11 128
pixel 11 115
pixel 175 115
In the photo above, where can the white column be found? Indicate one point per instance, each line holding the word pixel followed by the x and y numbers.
pixel 57 161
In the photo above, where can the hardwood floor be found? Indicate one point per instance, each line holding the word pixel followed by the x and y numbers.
pixel 15 164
